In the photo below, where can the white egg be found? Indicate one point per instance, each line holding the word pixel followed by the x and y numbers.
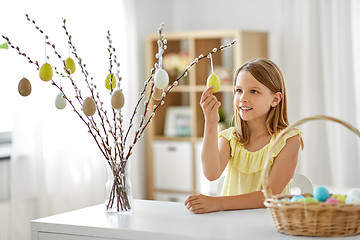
pixel 60 101
pixel 353 196
pixel 161 78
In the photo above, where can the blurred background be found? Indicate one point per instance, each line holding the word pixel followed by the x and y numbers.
pixel 49 163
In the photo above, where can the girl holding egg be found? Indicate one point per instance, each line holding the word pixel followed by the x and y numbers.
pixel 260 114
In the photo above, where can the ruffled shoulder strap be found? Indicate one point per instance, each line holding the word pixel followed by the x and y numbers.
pixel 282 143
pixel 228 134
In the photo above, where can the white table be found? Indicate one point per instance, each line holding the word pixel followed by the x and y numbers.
pixel 158 220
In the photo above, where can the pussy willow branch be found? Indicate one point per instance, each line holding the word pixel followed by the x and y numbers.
pixel 105 147
pixel 161 49
pixel 91 124
pixel 139 133
pixel 95 94
pixel 142 95
pixel 60 89
pixel 111 51
pixel 161 101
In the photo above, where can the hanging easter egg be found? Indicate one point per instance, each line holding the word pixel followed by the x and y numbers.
pixel 157 95
pixel 89 106
pixel 60 101
pixel 109 85
pixel 117 100
pixel 46 72
pixel 213 80
pixel 70 65
pixel 24 87
pixel 161 78
pixel 353 196
pixel 321 193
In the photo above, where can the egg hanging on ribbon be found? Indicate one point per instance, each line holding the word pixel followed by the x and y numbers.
pixel 213 80
pixel 46 72
pixel 24 87
pixel 117 99
pixel 109 85
pixel 89 106
pixel 161 78
pixel 60 101
pixel 70 65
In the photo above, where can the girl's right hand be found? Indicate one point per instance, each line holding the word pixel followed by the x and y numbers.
pixel 210 106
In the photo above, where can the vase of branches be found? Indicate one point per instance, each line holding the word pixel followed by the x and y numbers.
pixel 118 193
pixel 104 121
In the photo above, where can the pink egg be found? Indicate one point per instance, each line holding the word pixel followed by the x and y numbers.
pixel 332 201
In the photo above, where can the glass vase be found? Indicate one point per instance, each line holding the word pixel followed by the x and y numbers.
pixel 118 193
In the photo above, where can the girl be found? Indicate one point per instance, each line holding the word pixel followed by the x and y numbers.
pixel 260 113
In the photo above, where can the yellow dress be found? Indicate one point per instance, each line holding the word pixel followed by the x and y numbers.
pixel 244 168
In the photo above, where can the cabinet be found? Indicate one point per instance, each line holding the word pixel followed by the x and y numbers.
pixel 183 48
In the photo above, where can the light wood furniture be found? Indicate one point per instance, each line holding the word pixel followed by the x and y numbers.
pixel 158 220
pixel 249 45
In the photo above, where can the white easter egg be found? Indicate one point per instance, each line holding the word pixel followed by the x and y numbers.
pixel 60 101
pixel 353 196
pixel 161 78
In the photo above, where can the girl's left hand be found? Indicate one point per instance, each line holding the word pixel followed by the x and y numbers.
pixel 202 204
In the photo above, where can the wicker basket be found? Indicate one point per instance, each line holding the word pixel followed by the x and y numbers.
pixel 310 219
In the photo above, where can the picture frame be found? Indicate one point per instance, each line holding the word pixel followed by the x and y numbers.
pixel 178 121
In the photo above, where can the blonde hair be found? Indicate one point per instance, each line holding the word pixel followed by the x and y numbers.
pixel 268 74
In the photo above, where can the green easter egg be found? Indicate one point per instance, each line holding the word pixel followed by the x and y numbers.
pixel 46 72
pixel 70 65
pixel 340 197
pixel 214 80
pixel 113 82
pixel 308 200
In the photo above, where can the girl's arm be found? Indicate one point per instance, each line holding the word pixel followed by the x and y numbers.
pixel 214 154
pixel 280 175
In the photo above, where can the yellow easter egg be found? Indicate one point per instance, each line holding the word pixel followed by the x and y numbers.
pixel 107 82
pixel 46 72
pixel 24 87
pixel 340 197
pixel 89 106
pixel 213 80
pixel 70 65
pixel 117 99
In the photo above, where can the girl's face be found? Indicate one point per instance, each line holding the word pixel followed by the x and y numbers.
pixel 252 99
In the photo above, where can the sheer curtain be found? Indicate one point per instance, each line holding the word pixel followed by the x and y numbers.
pixel 322 73
pixel 55 164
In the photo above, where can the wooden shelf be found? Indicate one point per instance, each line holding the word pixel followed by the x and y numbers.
pixel 249 45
